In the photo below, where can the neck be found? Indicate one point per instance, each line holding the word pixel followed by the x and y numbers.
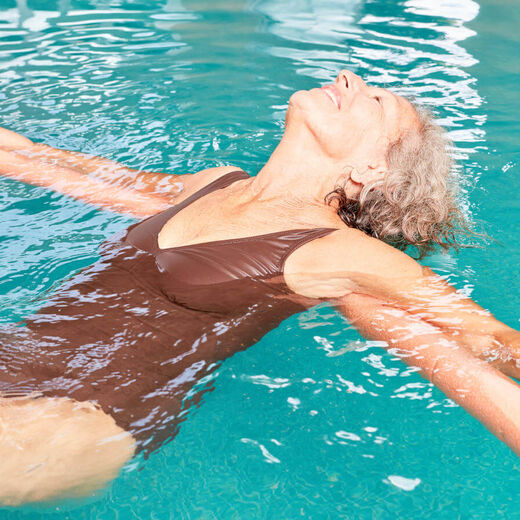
pixel 294 172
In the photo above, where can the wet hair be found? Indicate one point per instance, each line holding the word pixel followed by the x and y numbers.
pixel 416 202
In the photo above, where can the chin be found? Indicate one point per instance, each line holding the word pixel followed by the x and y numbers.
pixel 300 99
pixel 302 107
pixel 294 110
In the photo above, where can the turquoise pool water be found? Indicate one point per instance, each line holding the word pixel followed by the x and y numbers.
pixel 312 422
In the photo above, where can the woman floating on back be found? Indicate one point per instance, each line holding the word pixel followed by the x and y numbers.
pixel 106 367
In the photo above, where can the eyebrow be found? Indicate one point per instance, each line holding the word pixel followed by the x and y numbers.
pixel 383 103
pixel 395 100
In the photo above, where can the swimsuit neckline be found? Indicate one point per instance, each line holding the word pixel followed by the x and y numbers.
pixel 241 239
pixel 220 183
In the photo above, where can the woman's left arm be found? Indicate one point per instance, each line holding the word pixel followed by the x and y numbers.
pixel 433 300
pixel 483 391
pixel 352 263
pixel 388 296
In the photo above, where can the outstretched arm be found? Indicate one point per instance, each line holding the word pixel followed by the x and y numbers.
pixel 93 179
pixel 351 262
pixel 77 185
pixel 480 389
pixel 96 180
pixel 457 345
pixel 99 168
pixel 434 301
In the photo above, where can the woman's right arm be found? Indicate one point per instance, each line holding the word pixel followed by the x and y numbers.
pixel 150 183
pixel 79 186
pixel 96 180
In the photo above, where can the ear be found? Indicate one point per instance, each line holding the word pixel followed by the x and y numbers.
pixel 375 171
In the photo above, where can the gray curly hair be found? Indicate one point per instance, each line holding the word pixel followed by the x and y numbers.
pixel 416 203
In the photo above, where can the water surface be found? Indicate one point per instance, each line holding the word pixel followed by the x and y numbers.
pixel 312 422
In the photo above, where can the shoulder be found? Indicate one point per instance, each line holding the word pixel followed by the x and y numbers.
pixel 196 181
pixel 344 261
pixel 360 252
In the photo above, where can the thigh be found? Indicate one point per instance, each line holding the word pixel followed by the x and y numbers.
pixel 55 447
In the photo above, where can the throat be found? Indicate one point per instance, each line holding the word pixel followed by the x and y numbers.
pixel 231 214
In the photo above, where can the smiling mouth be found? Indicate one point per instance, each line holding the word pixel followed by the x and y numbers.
pixel 333 94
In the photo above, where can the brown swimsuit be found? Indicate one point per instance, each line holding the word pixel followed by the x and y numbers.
pixel 138 329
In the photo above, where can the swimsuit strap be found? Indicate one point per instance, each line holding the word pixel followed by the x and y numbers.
pixel 143 234
pixel 295 237
pixel 220 183
pixel 217 184
pixel 300 237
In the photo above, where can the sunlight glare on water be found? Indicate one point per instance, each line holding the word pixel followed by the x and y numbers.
pixel 312 422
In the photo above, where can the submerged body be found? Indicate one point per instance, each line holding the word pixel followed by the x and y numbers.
pixel 168 317
pixel 106 367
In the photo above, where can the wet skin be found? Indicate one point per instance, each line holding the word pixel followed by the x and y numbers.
pixel 341 131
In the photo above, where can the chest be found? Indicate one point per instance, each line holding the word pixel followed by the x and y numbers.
pixel 218 217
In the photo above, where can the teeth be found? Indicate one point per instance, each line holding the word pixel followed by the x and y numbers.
pixel 332 96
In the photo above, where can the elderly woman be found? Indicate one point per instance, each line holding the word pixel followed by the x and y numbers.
pixel 104 369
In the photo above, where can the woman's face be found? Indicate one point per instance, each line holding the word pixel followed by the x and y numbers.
pixel 350 120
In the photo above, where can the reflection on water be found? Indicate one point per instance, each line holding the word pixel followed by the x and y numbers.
pixel 409 52
pixel 180 85
pixel 460 11
pixel 311 22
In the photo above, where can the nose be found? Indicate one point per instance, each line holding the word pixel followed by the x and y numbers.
pixel 348 79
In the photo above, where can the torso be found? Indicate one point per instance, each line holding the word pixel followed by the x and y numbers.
pixel 223 216
pixel 135 331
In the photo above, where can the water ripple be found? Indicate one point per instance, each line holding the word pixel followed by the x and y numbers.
pixel 182 85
